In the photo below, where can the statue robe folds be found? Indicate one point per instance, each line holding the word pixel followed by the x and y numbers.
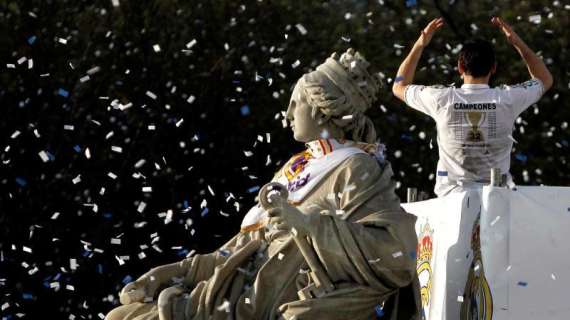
pixel 364 240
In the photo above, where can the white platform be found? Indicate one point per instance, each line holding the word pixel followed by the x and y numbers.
pixel 519 264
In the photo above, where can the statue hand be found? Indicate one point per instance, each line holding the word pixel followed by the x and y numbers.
pixel 287 217
pixel 138 290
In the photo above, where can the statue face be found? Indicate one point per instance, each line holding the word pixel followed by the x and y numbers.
pixel 304 127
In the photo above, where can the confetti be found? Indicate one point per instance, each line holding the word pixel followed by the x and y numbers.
pixel 63 93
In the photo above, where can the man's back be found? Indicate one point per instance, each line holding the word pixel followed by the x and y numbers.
pixel 474 125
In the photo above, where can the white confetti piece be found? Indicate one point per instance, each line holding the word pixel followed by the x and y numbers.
pixel 87 153
pixel 374 261
pixel 15 134
pixel 93 70
pixel 44 156
pixel 117 149
pixel 141 206
pixel 115 241
pixel 73 264
pixel 225 306
pixel 68 127
pixel 112 175
pixel 151 95
pixel 179 123
pixel 191 99
pixel 146 189
pixel 62 40
pixel 190 44
pixel 536 19
pixel 397 254
pixel 460 298
pixel 156 48
pixel 495 220
pixel 77 179
pixel 55 215
pixel 302 30
pixel 280 256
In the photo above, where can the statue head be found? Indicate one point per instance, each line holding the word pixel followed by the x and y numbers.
pixel 330 102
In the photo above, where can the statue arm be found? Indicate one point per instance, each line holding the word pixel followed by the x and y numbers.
pixel 369 238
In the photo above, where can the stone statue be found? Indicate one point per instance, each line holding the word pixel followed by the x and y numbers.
pixel 339 247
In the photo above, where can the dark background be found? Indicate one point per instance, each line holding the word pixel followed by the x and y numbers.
pixel 240 72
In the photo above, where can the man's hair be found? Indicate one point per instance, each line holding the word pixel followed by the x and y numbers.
pixel 477 57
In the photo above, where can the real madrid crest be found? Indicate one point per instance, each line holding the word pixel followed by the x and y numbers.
pixel 425 254
pixel 477 299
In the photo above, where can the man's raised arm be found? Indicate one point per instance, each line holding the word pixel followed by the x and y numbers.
pixel 535 65
pixel 405 75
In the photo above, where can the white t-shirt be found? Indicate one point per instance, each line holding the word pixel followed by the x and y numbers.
pixel 474 127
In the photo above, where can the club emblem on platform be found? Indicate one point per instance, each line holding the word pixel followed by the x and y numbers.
pixel 425 254
pixel 477 298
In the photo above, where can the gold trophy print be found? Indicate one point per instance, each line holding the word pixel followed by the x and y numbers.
pixel 475 119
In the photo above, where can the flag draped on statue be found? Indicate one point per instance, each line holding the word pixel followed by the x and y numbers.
pixel 494 253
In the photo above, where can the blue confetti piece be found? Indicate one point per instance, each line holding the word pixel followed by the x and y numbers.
pixel 32 39
pixel 398 79
pixel 21 181
pixel 406 137
pixel 413 254
pixel 57 277
pixel 100 268
pixel 522 283
pixel 245 110
pixel 63 92
pixel 50 156
pixel 186 204
pixel 411 3
pixel 182 253
pixel 442 173
pixel 253 189
pixel 77 148
pixel 27 296
pixel 568 209
pixel 204 212
pixel 521 157
pixel 107 215
pixel 379 311
pixel 224 252
pixel 127 279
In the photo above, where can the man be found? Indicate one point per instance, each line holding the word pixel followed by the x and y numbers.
pixel 474 122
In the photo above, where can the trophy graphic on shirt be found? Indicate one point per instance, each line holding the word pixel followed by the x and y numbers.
pixel 475 120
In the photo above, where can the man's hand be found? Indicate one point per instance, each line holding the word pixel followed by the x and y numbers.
pixel 407 70
pixel 429 31
pixel 287 217
pixel 535 65
pixel 509 33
